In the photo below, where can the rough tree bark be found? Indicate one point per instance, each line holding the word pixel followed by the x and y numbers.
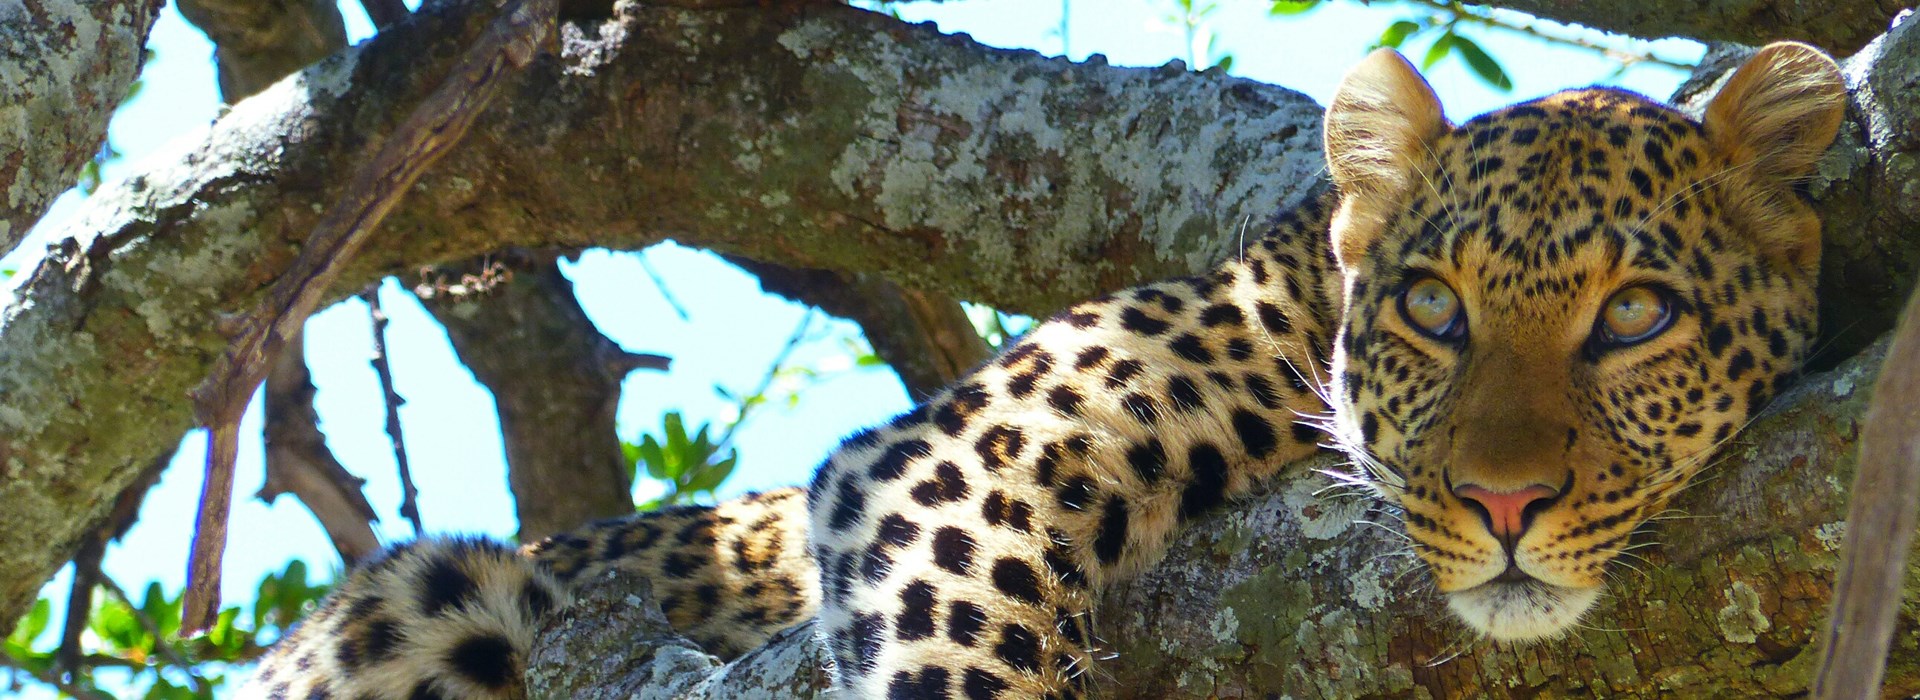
pixel 1143 177
pixel 1054 181
pixel 64 67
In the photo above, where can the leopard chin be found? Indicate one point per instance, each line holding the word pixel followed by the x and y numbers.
pixel 1521 611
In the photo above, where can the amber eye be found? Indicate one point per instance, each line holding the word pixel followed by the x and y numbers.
pixel 1431 306
pixel 1634 314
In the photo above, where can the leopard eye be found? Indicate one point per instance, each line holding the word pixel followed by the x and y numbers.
pixel 1430 306
pixel 1633 315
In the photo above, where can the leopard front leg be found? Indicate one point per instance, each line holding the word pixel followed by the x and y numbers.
pixel 951 611
pixel 960 545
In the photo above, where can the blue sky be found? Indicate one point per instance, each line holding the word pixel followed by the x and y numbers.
pixel 733 331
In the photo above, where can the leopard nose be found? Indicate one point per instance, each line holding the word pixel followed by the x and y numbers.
pixel 1507 513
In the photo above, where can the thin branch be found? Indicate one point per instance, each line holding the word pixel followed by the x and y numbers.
pixel 1460 12
pixel 86 573
pixel 258 338
pixel 1880 527
pixel 766 382
pixel 396 438
pixel 660 283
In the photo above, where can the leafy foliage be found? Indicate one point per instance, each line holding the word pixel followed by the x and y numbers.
pixel 691 465
pixel 137 639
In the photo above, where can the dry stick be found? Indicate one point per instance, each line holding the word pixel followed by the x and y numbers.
pixel 1880 524
pixel 409 496
pixel 260 336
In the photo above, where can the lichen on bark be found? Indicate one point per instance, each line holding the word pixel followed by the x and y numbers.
pixel 64 67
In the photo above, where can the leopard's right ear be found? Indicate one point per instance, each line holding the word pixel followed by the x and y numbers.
pixel 1379 132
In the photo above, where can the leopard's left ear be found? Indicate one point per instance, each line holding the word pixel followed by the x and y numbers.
pixel 1779 111
pixel 1771 124
pixel 1379 133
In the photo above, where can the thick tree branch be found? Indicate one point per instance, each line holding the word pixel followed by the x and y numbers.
pixel 64 67
pixel 555 380
pixel 1840 26
pixel 608 145
pixel 257 43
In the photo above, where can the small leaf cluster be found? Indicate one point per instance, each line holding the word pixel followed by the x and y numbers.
pixel 692 465
pixel 139 640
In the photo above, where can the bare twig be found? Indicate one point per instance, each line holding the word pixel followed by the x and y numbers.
pixel 260 336
pixel 956 347
pixel 1460 12
pixel 660 283
pixel 409 495
pixel 298 461
pixel 1880 524
pixel 766 382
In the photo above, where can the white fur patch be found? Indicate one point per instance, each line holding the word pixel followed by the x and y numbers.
pixel 1521 612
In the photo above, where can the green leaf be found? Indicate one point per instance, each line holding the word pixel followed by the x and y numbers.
pixel 655 457
pixel 1482 64
pixel 1283 8
pixel 1225 63
pixel 1397 33
pixel 32 625
pixel 1438 50
pixel 710 477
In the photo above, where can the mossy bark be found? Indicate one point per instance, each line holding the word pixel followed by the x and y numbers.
pixel 820 137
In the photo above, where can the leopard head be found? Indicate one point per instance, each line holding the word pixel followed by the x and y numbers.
pixel 1554 313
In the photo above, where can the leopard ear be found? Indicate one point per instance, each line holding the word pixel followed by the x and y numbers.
pixel 1379 129
pixel 1779 111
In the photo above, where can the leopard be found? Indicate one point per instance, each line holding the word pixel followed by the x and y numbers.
pixel 1526 332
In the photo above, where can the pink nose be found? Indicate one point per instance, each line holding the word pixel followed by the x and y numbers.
pixel 1506 511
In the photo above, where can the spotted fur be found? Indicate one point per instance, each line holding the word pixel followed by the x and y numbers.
pixel 955 551
pixel 455 618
